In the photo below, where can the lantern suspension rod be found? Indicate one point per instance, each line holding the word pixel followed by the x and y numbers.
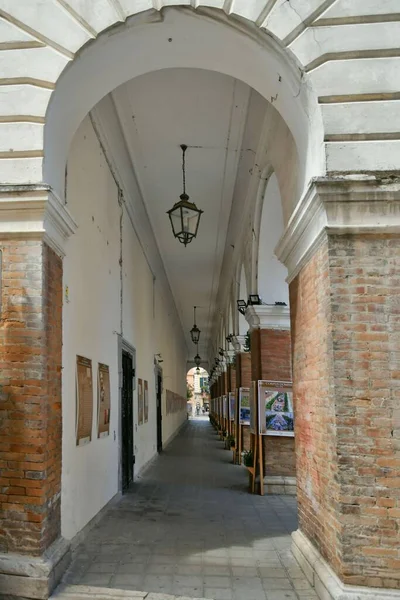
pixel 184 148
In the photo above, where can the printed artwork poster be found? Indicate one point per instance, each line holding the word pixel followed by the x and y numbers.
pixel 276 406
pixel 244 406
pixel 140 402
pixel 225 406
pixel 253 408
pixel 232 405
pixel 103 401
pixel 146 401
pixel 84 400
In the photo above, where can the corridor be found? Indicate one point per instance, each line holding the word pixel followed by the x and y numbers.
pixel 189 528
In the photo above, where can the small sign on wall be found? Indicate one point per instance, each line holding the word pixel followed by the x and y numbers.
pixel 276 408
pixel 146 402
pixel 84 400
pixel 140 402
pixel 103 400
pixel 244 406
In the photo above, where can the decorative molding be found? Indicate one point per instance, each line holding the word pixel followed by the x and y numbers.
pixel 327 584
pixel 35 212
pixel 268 317
pixel 338 206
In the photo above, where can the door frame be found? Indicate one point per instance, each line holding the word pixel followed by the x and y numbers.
pixel 125 346
pixel 158 372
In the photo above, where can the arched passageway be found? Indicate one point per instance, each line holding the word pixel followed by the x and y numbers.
pixel 289 152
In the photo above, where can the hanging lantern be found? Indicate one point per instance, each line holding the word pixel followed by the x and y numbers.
pixel 195 331
pixel 184 215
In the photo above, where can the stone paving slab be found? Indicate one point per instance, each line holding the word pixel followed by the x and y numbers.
pixel 189 528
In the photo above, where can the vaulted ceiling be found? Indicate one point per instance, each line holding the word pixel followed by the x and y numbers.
pixel 209 112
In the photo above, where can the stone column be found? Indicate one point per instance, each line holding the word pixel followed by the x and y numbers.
pixel 34 227
pixel 271 360
pixel 342 250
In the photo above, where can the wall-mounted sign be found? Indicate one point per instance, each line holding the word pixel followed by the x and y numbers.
pixel 232 405
pixel 244 406
pixel 146 402
pixel 84 400
pixel 103 401
pixel 253 408
pixel 276 408
pixel 140 402
pixel 225 407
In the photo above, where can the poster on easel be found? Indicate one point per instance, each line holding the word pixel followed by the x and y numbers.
pixel 140 402
pixel 275 400
pixel 146 402
pixel 103 401
pixel 244 406
pixel 253 408
pixel 232 405
pixel 84 400
pixel 225 407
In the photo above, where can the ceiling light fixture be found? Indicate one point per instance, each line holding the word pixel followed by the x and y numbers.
pixel 184 215
pixel 197 358
pixel 242 305
pixel 195 331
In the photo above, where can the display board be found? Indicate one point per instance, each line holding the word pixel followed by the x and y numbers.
pixel 84 400
pixel 244 406
pixel 275 400
pixel 146 402
pixel 232 405
pixel 225 407
pixel 103 401
pixel 174 402
pixel 140 402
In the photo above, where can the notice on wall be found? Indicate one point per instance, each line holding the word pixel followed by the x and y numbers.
pixel 232 405
pixel 103 400
pixel 140 403
pixel 244 406
pixel 84 400
pixel 146 402
pixel 276 408
pixel 225 407
pixel 253 408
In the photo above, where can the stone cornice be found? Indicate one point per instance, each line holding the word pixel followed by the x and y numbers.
pixel 35 212
pixel 338 206
pixel 268 317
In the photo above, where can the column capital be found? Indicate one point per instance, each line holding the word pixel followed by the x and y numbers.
pixel 230 356
pixel 268 317
pixel 238 342
pixel 338 206
pixel 35 212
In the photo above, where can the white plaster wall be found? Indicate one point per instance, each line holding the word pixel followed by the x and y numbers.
pixel 272 286
pixel 91 321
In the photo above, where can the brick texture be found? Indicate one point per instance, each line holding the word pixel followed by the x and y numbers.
pixel 346 332
pixel 30 397
pixel 271 360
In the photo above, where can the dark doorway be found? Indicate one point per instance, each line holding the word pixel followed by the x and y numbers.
pixel 127 458
pixel 159 409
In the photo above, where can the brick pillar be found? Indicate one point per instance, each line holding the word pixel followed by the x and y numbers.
pixel 243 379
pixel 344 296
pixel 30 395
pixel 270 343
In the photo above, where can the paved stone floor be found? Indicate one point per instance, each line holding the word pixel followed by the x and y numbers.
pixel 189 527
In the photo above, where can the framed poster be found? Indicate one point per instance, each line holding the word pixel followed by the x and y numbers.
pixel 146 402
pixel 225 407
pixel 276 408
pixel 140 402
pixel 253 408
pixel 103 401
pixel 84 400
pixel 244 406
pixel 232 405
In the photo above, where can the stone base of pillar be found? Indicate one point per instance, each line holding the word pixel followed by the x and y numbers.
pixel 280 484
pixel 33 577
pixel 327 584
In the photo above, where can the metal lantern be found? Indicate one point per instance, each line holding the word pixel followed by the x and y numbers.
pixel 184 215
pixel 242 305
pixel 195 331
pixel 197 360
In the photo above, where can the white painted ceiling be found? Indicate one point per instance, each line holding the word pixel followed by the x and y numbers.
pixel 207 111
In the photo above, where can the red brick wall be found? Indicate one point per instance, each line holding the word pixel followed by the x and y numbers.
pixel 243 369
pixel 271 359
pixel 346 334
pixel 30 402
